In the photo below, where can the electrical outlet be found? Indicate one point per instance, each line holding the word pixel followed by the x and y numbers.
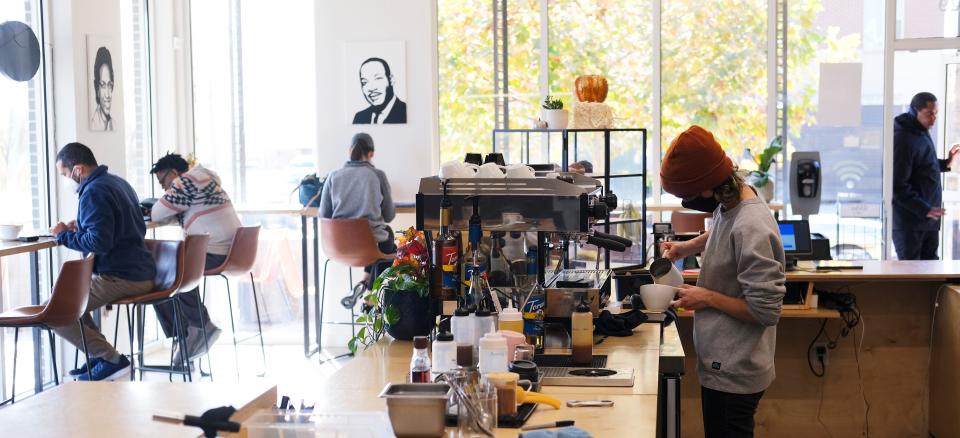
pixel 821 350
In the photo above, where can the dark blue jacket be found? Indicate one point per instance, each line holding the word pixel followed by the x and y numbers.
pixel 110 225
pixel 916 176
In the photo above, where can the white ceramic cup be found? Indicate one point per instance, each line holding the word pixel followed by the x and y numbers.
pixel 457 169
pixel 490 170
pixel 657 297
pixel 520 171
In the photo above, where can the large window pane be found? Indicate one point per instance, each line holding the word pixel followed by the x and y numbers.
pixel 927 18
pixel 136 68
pixel 836 108
pixel 714 71
pixel 23 188
pixel 255 124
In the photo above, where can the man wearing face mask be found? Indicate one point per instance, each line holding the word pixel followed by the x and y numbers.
pixel 917 192
pixel 110 225
pixel 739 293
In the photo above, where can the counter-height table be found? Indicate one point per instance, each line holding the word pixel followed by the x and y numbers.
pixel 877 378
pixel 126 409
pixel 652 351
pixel 310 346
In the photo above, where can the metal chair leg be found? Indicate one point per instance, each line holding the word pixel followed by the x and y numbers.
pixel 233 327
pixel 130 334
pixel 206 343
pixel 141 324
pixel 353 325
pixel 53 358
pixel 182 340
pixel 13 386
pixel 323 297
pixel 86 351
pixel 256 307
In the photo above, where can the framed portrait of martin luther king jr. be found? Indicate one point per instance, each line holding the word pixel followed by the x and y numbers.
pixel 375 83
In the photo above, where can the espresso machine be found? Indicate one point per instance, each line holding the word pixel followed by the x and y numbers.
pixel 561 210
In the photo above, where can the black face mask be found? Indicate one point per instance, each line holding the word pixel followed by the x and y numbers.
pixel 699 203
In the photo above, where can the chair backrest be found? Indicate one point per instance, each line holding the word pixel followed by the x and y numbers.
pixel 243 252
pixel 70 293
pixel 168 255
pixel 349 241
pixel 688 221
pixel 194 261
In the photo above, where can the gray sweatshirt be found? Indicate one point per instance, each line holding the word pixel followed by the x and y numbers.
pixel 359 190
pixel 743 259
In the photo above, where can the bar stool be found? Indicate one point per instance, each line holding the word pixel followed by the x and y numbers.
pixel 687 221
pixel 66 306
pixel 169 258
pixel 348 242
pixel 239 262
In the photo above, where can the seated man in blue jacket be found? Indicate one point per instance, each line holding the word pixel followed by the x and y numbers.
pixel 110 225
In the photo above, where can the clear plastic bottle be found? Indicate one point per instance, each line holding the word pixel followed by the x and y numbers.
pixel 443 354
pixel 511 319
pixel 493 353
pixel 581 336
pixel 420 363
pixel 484 324
pixel 462 326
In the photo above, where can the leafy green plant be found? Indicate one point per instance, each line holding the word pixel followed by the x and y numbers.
pixel 407 275
pixel 764 160
pixel 552 104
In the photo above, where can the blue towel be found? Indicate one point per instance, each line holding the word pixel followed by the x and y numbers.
pixel 563 432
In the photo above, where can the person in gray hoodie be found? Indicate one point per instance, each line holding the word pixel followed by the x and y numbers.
pixel 359 190
pixel 739 293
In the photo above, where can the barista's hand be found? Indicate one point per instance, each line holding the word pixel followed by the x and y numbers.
pixel 694 297
pixel 953 151
pixel 676 250
pixel 935 213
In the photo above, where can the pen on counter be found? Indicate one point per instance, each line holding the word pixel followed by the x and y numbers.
pixel 563 423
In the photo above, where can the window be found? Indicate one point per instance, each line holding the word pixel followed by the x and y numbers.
pixel 927 19
pixel 23 187
pixel 136 68
pixel 836 108
pixel 254 111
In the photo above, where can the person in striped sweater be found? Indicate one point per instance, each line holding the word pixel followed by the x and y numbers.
pixel 194 198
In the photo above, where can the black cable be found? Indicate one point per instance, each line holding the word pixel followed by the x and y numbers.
pixel 813 341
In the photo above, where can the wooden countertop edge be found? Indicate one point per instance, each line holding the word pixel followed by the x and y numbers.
pixel 27 247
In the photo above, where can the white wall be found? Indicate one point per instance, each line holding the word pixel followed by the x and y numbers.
pixel 405 152
pixel 72 21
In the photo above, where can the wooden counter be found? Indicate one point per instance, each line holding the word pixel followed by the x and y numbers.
pixel 357 384
pixel 889 370
pixel 13 247
pixel 125 409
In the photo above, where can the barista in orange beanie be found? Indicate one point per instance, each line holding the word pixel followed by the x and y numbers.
pixel 739 293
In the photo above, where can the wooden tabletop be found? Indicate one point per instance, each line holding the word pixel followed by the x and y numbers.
pixel 125 409
pixel 874 270
pixel 357 384
pixel 675 207
pixel 13 247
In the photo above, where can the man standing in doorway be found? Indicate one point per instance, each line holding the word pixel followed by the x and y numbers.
pixel 917 192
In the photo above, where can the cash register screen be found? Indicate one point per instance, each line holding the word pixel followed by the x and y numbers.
pixel 795 236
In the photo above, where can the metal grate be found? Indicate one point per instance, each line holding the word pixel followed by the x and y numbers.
pixel 566 360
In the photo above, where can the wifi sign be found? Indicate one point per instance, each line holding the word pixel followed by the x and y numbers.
pixel 850 172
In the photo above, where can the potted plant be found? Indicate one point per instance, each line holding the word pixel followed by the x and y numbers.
pixel 761 178
pixel 399 302
pixel 554 114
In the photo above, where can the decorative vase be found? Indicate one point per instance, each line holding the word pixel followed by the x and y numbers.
pixel 556 119
pixel 591 88
pixel 416 318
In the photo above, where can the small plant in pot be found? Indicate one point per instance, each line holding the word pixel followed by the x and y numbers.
pixel 761 177
pixel 554 114
pixel 400 300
